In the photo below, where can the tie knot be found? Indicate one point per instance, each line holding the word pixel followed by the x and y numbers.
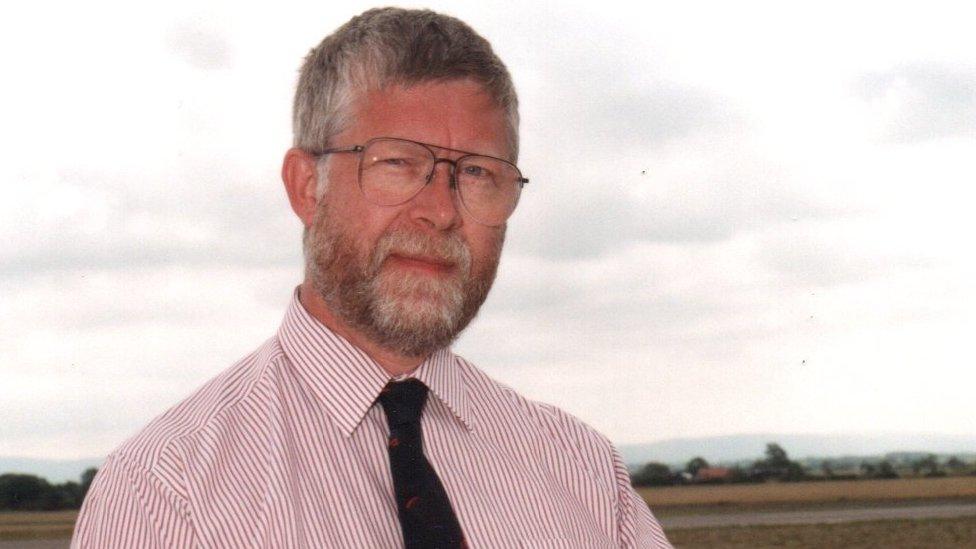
pixel 403 401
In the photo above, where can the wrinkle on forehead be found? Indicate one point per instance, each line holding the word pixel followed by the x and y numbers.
pixel 436 112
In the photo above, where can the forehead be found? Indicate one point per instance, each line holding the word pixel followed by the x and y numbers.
pixel 455 114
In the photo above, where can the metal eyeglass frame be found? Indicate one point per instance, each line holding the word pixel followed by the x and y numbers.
pixel 358 149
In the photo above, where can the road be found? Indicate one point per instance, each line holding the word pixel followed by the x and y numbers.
pixel 820 516
pixel 35 544
pixel 719 520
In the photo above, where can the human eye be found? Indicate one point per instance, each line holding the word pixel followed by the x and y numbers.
pixel 477 170
pixel 393 162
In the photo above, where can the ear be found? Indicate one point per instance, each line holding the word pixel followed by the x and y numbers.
pixel 299 173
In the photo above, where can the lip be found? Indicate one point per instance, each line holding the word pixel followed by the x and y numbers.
pixel 428 264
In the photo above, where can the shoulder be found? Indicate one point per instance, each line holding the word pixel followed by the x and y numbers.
pixel 503 410
pixel 155 444
pixel 506 401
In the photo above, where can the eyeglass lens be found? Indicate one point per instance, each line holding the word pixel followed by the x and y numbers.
pixel 393 171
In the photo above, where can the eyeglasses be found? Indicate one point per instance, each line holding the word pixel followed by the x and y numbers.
pixel 393 171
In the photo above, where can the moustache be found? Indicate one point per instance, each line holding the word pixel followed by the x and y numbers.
pixel 450 249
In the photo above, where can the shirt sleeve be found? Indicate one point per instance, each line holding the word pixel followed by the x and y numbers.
pixel 636 525
pixel 129 507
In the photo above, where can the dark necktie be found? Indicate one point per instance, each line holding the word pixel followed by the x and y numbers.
pixel 425 512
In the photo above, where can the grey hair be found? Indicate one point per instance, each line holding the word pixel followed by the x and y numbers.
pixel 392 46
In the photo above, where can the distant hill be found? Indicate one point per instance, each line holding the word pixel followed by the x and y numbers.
pixel 734 448
pixel 54 470
pixel 731 448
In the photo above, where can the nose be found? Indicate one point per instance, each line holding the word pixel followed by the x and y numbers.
pixel 436 206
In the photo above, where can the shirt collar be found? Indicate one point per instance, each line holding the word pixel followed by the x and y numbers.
pixel 347 381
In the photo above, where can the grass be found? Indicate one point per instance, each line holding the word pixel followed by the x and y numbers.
pixel 18 525
pixel 726 508
pixel 675 500
pixel 877 491
pixel 955 533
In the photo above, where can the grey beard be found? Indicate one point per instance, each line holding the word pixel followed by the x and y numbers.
pixel 410 315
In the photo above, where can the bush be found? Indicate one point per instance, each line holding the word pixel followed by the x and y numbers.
pixel 653 474
pixel 24 492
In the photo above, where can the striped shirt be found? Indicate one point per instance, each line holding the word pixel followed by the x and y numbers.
pixel 287 448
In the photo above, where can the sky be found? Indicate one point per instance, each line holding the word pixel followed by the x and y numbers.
pixel 743 217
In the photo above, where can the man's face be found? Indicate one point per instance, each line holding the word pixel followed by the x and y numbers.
pixel 408 277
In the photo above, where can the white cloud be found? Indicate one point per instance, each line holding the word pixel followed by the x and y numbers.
pixel 730 222
pixel 922 102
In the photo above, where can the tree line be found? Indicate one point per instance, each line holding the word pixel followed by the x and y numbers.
pixel 777 465
pixel 20 492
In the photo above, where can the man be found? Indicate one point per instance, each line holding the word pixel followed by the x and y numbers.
pixel 355 426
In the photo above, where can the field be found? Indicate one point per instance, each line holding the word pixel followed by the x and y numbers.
pixel 20 525
pixel 957 533
pixel 948 533
pixel 788 493
pixel 715 499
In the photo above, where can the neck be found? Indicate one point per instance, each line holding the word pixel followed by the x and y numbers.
pixel 394 363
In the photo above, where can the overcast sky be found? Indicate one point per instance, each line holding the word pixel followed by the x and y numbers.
pixel 743 217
